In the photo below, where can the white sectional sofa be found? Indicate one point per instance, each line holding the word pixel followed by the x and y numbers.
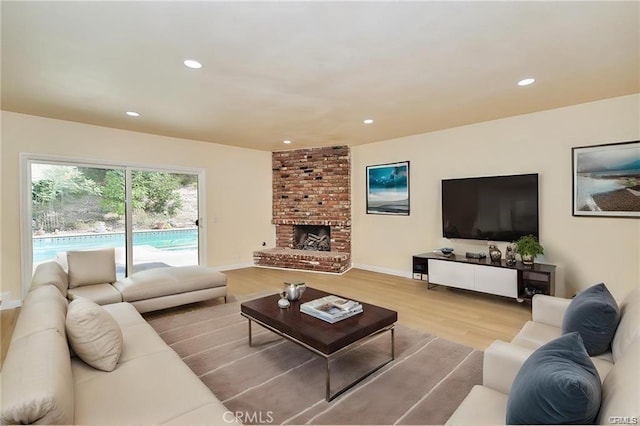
pixel 618 368
pixel 43 383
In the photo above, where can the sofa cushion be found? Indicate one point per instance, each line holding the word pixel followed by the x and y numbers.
pixel 557 384
pixel 629 326
pixel 482 406
pixel 37 384
pixel 151 389
pixel 594 314
pixel 621 387
pixel 91 267
pixel 50 273
pixel 44 308
pixel 168 281
pixel 93 334
pixel 535 334
pixel 102 294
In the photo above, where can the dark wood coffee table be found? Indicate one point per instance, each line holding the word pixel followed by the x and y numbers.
pixel 320 337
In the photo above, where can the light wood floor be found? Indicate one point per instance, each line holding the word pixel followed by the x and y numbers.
pixel 8 319
pixel 466 317
pixel 470 318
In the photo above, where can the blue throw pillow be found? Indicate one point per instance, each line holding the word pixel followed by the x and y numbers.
pixel 557 384
pixel 594 314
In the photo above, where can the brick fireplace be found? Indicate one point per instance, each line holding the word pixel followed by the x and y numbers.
pixel 312 203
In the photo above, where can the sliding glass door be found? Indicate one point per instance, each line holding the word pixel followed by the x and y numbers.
pixel 164 219
pixel 149 216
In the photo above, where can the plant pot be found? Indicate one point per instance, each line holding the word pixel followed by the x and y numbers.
pixel 527 259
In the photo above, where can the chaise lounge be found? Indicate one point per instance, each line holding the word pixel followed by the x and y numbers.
pixel 92 275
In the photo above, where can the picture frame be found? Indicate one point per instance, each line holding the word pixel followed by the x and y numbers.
pixel 606 180
pixel 388 189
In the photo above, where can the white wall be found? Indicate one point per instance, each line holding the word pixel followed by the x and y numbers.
pixel 587 250
pixel 238 182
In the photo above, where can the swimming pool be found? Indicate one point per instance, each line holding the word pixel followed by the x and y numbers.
pixel 47 247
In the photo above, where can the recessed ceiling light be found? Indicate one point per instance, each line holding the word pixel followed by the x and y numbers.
pixel 287 142
pixel 133 114
pixel 368 121
pixel 191 63
pixel 526 81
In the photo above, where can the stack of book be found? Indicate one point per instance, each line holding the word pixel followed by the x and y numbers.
pixel 331 308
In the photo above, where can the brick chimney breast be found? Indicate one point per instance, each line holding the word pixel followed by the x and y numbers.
pixel 311 187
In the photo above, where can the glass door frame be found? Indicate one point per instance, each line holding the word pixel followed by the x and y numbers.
pixel 26 234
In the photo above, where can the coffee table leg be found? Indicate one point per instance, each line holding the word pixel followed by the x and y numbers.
pixel 328 397
pixel 249 333
pixel 393 343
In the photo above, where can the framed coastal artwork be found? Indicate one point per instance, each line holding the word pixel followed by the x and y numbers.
pixel 388 189
pixel 606 180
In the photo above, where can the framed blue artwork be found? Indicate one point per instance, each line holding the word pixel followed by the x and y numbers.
pixel 388 189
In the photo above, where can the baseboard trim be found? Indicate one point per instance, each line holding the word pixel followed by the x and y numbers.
pixel 373 268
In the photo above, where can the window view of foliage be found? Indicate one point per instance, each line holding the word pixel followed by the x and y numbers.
pixel 77 198
pixel 59 188
pixel 152 192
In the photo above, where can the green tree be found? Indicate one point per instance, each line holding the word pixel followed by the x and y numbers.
pixel 59 182
pixel 52 195
pixel 152 192
pixel 94 173
pixel 43 192
pixel 113 192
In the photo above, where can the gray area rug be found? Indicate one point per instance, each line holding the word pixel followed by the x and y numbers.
pixel 279 382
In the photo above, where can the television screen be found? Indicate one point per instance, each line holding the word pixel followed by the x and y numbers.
pixel 496 208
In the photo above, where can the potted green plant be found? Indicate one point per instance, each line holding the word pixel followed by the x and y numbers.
pixel 528 248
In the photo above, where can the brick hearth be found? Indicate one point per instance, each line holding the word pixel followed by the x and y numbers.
pixel 323 261
pixel 311 187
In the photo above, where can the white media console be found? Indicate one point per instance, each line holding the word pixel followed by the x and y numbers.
pixel 519 281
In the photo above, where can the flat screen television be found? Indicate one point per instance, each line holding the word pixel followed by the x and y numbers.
pixel 495 208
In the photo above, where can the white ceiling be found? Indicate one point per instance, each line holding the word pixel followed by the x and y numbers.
pixel 311 71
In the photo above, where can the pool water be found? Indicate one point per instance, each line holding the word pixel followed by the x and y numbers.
pixel 47 247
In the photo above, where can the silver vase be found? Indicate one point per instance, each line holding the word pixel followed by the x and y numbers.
pixel 494 253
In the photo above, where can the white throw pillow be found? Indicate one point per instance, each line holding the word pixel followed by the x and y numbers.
pixel 93 334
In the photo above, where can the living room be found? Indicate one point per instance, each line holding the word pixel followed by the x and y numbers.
pixel 239 191
pixel 585 250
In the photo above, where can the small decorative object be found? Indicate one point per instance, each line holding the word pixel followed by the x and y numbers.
pixel 388 189
pixel 510 256
pixel 294 290
pixel 528 248
pixel 446 251
pixel 283 302
pixel 494 253
pixel 605 179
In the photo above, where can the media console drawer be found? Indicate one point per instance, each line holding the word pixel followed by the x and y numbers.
pixel 496 280
pixel 486 279
pixel 452 274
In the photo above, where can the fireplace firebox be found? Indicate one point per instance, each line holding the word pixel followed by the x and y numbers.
pixel 312 237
